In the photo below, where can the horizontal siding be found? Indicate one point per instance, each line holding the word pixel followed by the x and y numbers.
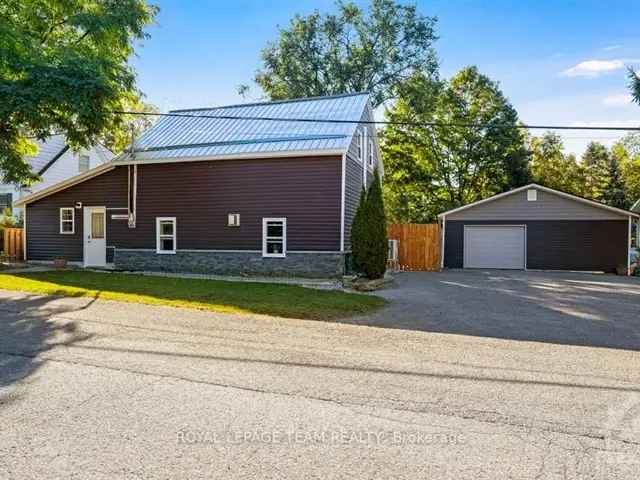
pixel 353 188
pixel 592 245
pixel 44 241
pixel 307 191
pixel 548 206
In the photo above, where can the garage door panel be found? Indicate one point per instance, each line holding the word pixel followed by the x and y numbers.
pixel 494 247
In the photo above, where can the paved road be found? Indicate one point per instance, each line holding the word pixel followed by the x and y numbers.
pixel 97 389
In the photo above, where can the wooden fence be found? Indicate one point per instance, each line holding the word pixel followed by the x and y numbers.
pixel 13 246
pixel 418 246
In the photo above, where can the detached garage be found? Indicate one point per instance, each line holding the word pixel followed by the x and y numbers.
pixel 535 227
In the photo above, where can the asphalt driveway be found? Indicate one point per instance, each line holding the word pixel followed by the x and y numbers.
pixel 102 390
pixel 556 307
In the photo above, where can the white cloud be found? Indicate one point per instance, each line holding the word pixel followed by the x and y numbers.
pixel 612 47
pixel 621 100
pixel 593 68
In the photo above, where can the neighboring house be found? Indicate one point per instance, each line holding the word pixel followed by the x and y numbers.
pixel 534 227
pixel 54 163
pixel 219 195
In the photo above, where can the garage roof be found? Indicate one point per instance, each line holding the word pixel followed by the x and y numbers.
pixel 544 189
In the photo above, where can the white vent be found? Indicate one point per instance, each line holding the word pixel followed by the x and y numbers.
pixel 393 250
pixel 532 195
pixel 233 220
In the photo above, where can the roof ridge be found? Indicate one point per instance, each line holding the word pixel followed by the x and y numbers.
pixel 272 102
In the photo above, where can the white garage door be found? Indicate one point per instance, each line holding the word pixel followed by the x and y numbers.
pixel 494 247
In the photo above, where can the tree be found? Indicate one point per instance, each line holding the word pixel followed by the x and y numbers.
pixel 634 85
pixel 627 152
pixel 552 168
pixel 374 241
pixel 431 169
pixel 118 139
pixel 358 229
pixel 64 69
pixel 614 192
pixel 595 165
pixel 348 52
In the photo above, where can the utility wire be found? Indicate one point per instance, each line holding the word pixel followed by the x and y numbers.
pixel 379 122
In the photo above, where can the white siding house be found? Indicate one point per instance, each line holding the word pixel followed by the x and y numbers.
pixel 55 162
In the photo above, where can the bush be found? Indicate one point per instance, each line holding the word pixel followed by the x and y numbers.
pixel 369 232
pixel 7 220
pixel 358 235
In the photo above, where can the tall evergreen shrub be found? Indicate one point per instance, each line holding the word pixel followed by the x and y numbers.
pixel 369 232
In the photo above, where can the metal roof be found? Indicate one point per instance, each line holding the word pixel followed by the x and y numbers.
pixel 188 137
pixel 47 151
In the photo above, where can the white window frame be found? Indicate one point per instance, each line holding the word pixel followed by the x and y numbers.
pixel 80 157
pixel 360 145
pixel 73 221
pixel 265 221
pixel 532 195
pixel 233 220
pixel 159 251
pixel 370 155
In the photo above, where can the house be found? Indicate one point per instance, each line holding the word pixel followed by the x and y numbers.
pixel 55 162
pixel 535 227
pixel 243 189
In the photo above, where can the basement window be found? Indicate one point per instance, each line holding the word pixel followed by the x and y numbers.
pixel 274 237
pixel 67 221
pixel 532 195
pixel 166 235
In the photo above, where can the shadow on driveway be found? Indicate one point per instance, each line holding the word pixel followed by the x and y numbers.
pixel 555 307
pixel 26 331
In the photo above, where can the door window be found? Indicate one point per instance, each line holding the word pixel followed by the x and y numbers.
pixel 97 225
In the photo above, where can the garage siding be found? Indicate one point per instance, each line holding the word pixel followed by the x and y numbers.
pixel 591 245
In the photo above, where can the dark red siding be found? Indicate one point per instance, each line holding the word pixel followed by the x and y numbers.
pixel 200 195
pixel 44 241
pixel 593 245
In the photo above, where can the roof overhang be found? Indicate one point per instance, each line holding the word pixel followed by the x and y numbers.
pixel 128 160
pixel 83 177
pixel 592 203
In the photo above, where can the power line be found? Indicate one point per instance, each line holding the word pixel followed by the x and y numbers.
pixel 380 122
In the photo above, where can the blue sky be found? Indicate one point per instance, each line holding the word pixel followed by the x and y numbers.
pixel 558 61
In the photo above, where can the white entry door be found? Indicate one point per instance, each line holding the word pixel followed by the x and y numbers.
pixel 95 238
pixel 500 246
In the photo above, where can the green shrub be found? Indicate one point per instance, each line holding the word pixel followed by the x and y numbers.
pixel 7 220
pixel 369 232
pixel 358 234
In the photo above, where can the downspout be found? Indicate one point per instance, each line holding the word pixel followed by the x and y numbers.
pixel 132 202
pixel 363 153
pixel 342 201
pixel 629 250
pixel 24 233
pixel 444 230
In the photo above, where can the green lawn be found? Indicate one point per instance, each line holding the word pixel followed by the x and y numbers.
pixel 220 296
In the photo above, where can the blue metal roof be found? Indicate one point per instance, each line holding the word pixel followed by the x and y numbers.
pixel 193 137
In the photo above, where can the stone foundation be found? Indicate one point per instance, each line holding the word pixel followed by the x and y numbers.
pixel 298 264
